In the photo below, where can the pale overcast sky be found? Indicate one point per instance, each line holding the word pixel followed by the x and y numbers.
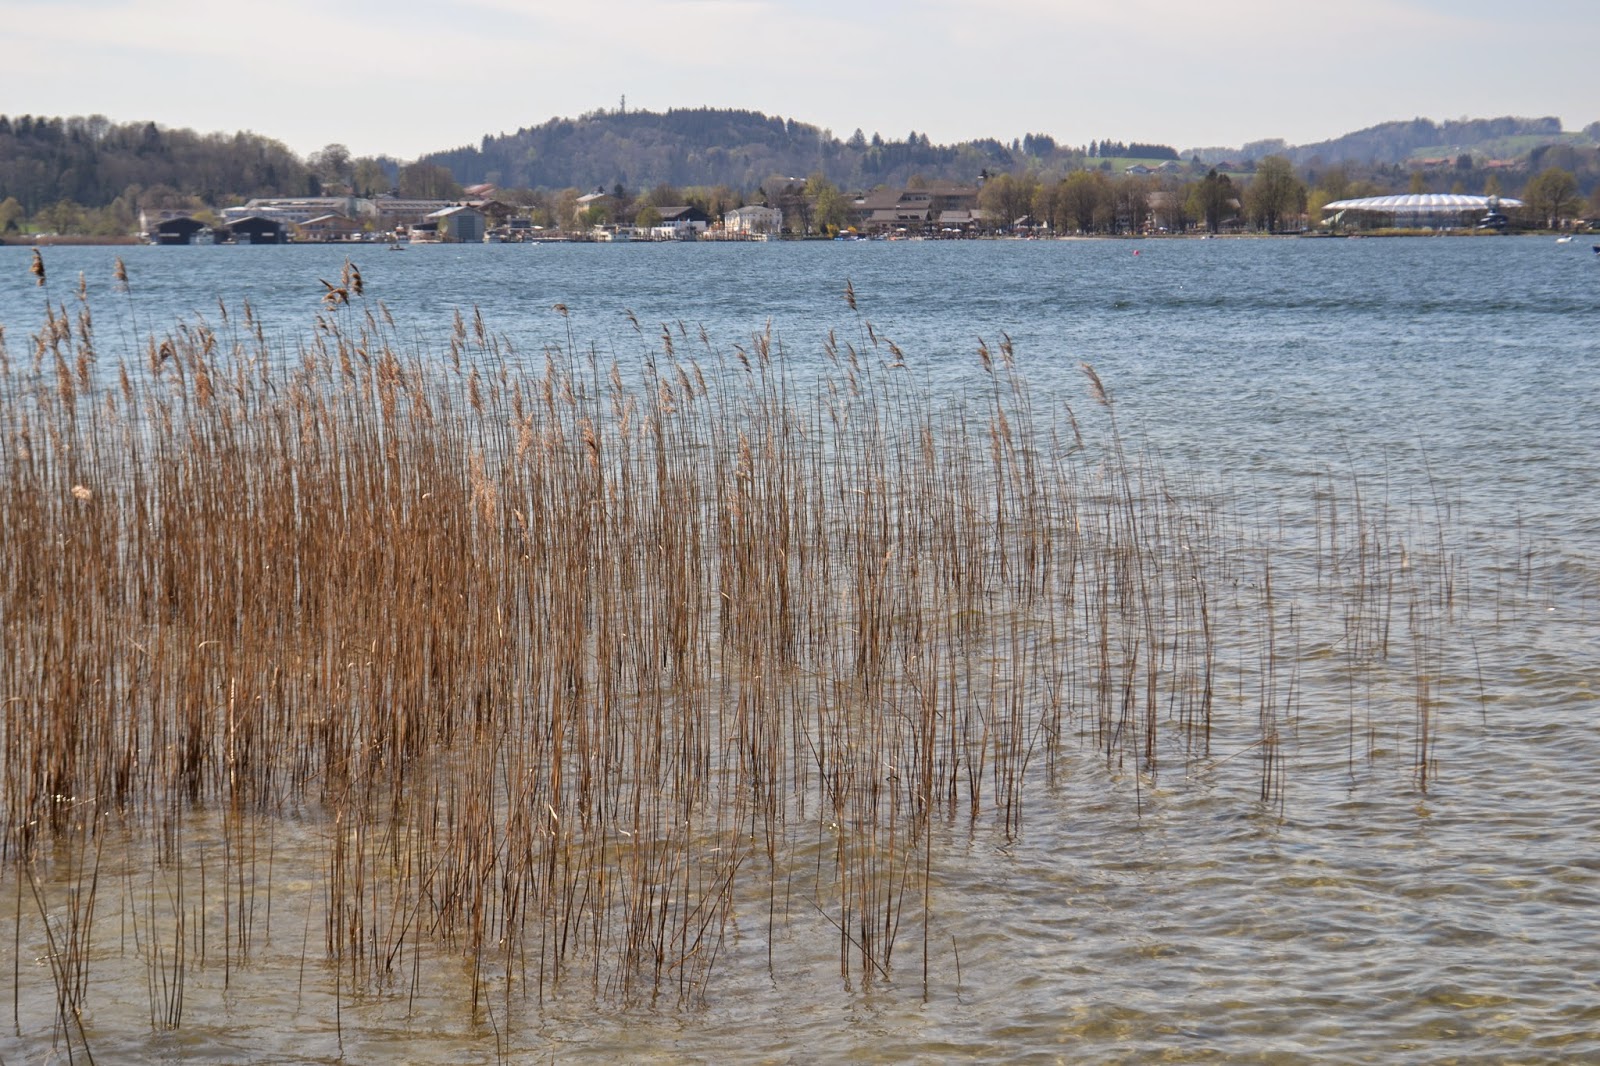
pixel 405 77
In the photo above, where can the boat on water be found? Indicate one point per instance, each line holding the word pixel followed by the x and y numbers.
pixel 1564 240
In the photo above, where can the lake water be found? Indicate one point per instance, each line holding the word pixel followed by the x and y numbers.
pixel 1359 919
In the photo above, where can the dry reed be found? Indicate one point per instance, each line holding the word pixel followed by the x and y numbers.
pixel 579 665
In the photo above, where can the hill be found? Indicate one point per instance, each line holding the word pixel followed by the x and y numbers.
pixel 94 162
pixel 706 146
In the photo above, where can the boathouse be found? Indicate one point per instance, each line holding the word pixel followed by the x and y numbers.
pixel 179 230
pixel 682 222
pixel 459 225
pixel 258 230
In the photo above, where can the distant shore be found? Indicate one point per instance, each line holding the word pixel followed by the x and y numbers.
pixel 75 240
pixel 52 240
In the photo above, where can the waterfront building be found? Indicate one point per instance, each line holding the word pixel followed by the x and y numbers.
pixel 752 220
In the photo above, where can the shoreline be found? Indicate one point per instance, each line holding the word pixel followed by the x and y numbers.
pixel 70 241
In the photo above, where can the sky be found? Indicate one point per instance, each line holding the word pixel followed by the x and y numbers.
pixel 403 77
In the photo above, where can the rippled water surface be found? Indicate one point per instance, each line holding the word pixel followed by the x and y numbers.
pixel 1360 919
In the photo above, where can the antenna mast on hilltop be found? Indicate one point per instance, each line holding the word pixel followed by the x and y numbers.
pixel 623 109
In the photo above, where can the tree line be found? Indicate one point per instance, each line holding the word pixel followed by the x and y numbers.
pixel 1273 197
pixel 94 165
pixel 91 175
pixel 1136 150
pixel 1099 202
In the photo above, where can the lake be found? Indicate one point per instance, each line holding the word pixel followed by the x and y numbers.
pixel 1355 912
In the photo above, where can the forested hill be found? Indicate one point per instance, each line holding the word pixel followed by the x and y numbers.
pixel 94 161
pixel 704 146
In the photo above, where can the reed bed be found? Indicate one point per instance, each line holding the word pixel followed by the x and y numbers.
pixel 578 665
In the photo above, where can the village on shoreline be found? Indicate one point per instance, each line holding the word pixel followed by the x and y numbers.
pixel 940 211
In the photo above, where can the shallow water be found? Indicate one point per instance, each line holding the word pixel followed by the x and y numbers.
pixel 1359 920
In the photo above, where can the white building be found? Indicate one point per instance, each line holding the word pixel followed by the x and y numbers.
pixel 393 212
pixel 294 211
pixel 748 221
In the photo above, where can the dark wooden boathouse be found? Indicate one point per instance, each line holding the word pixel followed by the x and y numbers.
pixel 177 230
pixel 258 230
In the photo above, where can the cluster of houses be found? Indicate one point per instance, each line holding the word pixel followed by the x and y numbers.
pixel 319 219
pixel 323 219
pixel 949 209
pixel 943 208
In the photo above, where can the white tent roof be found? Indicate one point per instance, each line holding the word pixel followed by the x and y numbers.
pixel 1423 203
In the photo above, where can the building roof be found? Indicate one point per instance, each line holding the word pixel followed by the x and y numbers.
pixel 683 213
pixel 181 224
pixel 1423 203
pixel 878 200
pixel 390 203
pixel 297 201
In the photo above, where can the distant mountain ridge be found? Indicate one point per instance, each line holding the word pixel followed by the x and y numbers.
pixel 1395 142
